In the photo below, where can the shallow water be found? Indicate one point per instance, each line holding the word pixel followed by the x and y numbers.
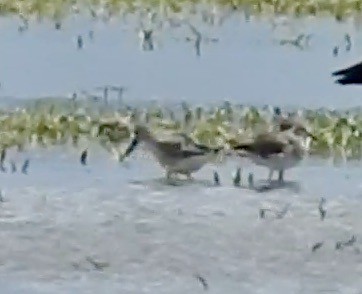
pixel 154 238
pixel 246 66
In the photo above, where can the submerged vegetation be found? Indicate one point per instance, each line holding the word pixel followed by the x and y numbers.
pixel 59 9
pixel 54 123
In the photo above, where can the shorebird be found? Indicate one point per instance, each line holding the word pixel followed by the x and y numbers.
pixel 188 141
pixel 171 155
pixel 284 123
pixel 349 75
pixel 277 150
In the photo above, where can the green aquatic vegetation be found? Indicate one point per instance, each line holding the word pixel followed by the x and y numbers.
pixel 55 122
pixel 60 9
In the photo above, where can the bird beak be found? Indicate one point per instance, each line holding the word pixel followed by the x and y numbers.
pixel 131 147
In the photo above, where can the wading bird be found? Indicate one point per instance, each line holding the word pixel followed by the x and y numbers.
pixel 277 150
pixel 171 155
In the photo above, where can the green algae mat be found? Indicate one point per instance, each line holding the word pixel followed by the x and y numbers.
pixel 59 9
pixel 46 123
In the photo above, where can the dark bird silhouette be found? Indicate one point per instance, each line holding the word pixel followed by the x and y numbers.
pixel 350 75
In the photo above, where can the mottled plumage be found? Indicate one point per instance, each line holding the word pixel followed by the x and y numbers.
pixel 276 150
pixel 170 155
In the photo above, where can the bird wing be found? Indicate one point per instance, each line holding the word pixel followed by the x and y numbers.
pixel 266 144
pixel 350 79
pixel 170 146
pixel 352 70
pixel 175 149
pixel 190 153
pixel 266 148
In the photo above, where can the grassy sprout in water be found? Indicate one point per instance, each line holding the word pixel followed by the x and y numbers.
pixel 338 134
pixel 59 9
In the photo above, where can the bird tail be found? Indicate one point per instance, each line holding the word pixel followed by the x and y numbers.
pixel 347 81
pixel 341 72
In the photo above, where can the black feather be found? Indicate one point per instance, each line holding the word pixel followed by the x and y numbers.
pixel 349 75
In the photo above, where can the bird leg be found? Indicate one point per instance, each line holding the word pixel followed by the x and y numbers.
pixel 270 175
